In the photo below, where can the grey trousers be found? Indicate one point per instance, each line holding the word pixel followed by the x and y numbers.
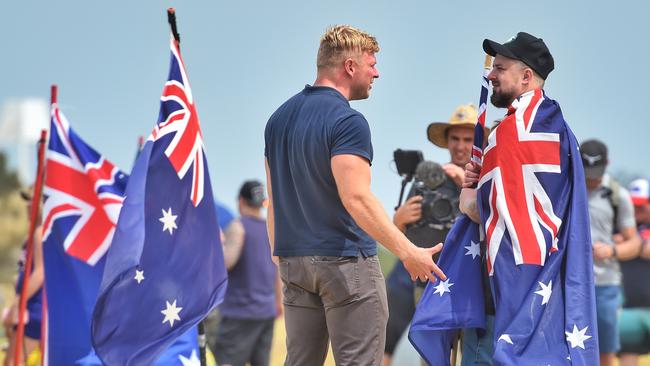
pixel 337 299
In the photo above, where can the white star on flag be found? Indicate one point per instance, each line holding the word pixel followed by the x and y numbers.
pixel 171 313
pixel 545 291
pixel 168 220
pixel 443 287
pixel 506 338
pixel 577 338
pixel 139 276
pixel 192 361
pixel 474 249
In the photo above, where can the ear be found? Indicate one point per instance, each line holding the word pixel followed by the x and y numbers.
pixel 528 76
pixel 349 66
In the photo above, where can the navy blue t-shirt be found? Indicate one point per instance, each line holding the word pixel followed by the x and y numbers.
pixel 301 137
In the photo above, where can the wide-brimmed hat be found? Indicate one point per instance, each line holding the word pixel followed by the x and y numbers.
pixel 465 115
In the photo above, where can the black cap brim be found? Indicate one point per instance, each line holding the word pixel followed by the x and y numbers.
pixel 493 48
pixel 594 172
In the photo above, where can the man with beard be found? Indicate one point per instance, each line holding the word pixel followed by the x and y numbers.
pixel 532 212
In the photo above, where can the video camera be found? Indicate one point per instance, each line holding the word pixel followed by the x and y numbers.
pixel 440 197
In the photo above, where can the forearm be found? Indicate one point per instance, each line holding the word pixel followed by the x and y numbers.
pixel 369 214
pixel 628 249
pixel 233 244
pixel 468 204
pixel 270 226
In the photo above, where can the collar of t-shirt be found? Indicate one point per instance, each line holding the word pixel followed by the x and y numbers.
pixel 309 89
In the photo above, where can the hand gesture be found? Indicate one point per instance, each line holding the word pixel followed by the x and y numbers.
pixel 420 265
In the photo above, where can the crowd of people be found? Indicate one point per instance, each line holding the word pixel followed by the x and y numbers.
pixel 314 259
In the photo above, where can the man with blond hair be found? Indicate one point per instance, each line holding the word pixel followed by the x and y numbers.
pixel 323 220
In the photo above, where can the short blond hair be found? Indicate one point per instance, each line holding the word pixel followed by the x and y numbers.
pixel 341 42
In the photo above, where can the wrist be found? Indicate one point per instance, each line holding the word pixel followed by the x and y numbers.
pixel 406 252
pixel 614 253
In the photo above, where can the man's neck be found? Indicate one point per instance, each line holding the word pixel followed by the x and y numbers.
pixel 526 90
pixel 251 212
pixel 331 82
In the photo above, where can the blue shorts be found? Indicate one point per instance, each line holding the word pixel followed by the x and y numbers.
pixel 608 305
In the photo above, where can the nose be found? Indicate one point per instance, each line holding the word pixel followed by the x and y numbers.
pixel 491 75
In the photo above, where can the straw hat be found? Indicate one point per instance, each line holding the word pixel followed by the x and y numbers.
pixel 465 115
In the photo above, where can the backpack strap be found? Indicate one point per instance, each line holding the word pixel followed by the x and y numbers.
pixel 614 197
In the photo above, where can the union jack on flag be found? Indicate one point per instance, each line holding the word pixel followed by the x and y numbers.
pixel 80 183
pixel 83 197
pixel 518 203
pixel 178 115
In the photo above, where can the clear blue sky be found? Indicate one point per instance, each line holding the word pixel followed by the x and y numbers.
pixel 110 60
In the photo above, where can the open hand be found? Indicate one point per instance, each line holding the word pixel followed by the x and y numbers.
pixel 420 265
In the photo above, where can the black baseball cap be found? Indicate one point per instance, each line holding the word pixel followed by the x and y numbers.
pixel 594 158
pixel 252 191
pixel 524 47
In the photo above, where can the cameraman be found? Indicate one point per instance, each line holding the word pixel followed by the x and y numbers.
pixel 456 135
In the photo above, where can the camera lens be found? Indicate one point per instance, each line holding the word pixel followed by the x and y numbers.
pixel 441 209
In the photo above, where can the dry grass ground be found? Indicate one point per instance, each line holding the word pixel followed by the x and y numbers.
pixel 279 351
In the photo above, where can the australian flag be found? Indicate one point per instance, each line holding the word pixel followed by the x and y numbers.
pixel 165 269
pixel 533 207
pixel 83 196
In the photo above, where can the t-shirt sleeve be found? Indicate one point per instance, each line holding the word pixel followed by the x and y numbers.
pixel 625 210
pixel 267 133
pixel 352 136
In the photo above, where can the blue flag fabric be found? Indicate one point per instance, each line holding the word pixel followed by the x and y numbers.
pixel 165 270
pixel 447 306
pixel 183 352
pixel 533 206
pixel 83 194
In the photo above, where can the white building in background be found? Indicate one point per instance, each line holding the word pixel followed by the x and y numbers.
pixel 21 122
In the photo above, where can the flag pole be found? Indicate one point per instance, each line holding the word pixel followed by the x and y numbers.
pixel 33 218
pixel 171 18
pixel 477 157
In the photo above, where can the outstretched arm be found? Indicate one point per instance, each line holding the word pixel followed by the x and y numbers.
pixel 352 175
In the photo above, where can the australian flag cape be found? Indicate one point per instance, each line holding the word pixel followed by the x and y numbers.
pixel 535 223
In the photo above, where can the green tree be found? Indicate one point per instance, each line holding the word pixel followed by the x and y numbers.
pixel 8 179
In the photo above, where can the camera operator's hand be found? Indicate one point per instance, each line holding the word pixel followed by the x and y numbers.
pixel 408 213
pixel 472 173
pixel 420 265
pixel 455 173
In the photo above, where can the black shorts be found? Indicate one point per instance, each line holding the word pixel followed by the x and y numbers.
pixel 241 341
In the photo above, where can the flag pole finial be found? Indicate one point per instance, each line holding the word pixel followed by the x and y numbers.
pixel 53 93
pixel 171 18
